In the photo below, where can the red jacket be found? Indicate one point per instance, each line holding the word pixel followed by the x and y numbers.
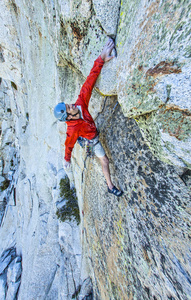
pixel 83 127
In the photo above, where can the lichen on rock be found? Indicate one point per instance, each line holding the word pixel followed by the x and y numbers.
pixel 70 210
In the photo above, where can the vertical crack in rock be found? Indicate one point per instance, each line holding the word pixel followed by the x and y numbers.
pixel 108 14
pixel 52 280
pixel 9 152
pixel 75 287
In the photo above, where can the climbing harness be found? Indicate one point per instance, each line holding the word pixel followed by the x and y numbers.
pixel 81 141
pixel 88 145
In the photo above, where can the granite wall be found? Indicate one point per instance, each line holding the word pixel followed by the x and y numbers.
pixel 134 248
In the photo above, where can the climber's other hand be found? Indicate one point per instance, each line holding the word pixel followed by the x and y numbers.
pixel 66 164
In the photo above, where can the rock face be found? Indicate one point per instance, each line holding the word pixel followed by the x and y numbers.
pixel 10 274
pixel 135 248
pixel 157 51
pixel 136 242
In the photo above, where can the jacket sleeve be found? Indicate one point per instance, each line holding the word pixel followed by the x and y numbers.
pixel 69 145
pixel 86 90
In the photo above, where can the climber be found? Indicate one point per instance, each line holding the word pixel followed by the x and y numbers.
pixel 80 123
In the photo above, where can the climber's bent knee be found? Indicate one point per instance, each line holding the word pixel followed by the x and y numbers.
pixel 99 151
pixel 104 160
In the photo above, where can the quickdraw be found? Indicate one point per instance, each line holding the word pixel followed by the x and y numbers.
pixel 88 145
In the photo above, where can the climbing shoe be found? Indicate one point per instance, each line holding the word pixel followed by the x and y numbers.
pixel 115 191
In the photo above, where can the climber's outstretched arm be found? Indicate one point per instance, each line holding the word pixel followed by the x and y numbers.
pixel 86 90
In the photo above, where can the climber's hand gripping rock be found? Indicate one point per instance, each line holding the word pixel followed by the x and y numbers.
pixel 106 52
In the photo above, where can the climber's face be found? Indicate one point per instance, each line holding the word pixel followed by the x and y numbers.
pixel 72 111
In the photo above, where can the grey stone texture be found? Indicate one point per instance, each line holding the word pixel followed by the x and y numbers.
pixel 86 290
pixel 134 248
pixel 10 274
pixel 14 270
pixel 4 264
pixel 3 281
pixel 107 13
pixel 138 244
pixel 153 74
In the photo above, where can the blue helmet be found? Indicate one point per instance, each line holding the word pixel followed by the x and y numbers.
pixel 60 111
